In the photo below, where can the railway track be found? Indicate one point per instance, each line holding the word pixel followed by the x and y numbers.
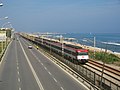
pixel 106 68
pixel 109 73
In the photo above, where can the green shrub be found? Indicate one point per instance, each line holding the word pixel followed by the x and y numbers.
pixel 105 57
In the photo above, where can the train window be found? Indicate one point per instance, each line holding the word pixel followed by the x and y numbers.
pixel 73 53
pixel 67 51
pixel 82 53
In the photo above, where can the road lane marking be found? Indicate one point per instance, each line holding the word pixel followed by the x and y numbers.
pixel 19 88
pixel 17 65
pixel 45 68
pixel 55 80
pixel 32 69
pixel 49 73
pixel 17 68
pixel 18 79
pixel 42 64
pixel 61 88
pixel 18 72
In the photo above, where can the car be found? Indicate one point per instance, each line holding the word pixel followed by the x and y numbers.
pixel 30 47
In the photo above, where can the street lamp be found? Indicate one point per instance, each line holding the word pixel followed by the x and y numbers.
pixel 94 44
pixel 1 4
pixel 62 42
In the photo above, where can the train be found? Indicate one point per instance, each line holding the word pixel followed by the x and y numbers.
pixel 70 52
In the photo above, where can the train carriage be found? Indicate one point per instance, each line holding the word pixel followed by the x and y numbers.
pixel 70 52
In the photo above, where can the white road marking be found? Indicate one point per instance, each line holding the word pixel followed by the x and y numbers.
pixel 17 68
pixel 55 80
pixel 45 68
pixel 42 64
pixel 32 69
pixel 18 79
pixel 61 88
pixel 19 88
pixel 18 72
pixel 49 73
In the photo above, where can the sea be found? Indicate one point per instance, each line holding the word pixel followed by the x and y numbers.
pixel 109 41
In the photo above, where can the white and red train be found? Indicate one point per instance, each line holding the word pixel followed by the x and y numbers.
pixel 70 52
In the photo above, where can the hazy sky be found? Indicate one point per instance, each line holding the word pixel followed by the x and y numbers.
pixel 78 16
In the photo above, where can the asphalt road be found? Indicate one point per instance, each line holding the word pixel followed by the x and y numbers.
pixel 28 69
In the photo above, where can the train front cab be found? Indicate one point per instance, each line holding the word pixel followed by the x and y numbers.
pixel 82 56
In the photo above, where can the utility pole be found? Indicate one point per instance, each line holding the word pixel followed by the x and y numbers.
pixel 103 67
pixel 94 45
pixel 61 40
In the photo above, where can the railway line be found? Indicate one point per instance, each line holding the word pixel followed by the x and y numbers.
pixel 106 68
pixel 109 73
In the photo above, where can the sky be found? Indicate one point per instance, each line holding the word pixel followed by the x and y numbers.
pixel 62 16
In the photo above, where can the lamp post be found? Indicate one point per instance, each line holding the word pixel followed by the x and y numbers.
pixel 94 44
pixel 62 42
pixel 1 4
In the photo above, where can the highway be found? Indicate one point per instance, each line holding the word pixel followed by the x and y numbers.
pixel 28 69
